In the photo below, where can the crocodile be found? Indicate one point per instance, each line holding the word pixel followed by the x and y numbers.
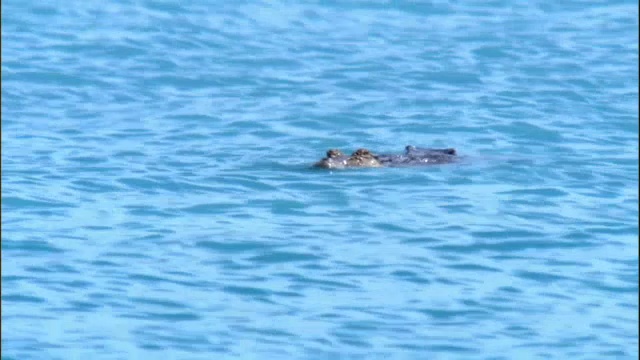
pixel 363 158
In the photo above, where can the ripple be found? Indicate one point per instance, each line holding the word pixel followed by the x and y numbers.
pixel 157 195
pixel 17 202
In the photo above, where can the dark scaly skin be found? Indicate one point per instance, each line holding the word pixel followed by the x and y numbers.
pixel 414 156
pixel 410 149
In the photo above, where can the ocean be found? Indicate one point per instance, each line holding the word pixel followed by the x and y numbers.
pixel 158 200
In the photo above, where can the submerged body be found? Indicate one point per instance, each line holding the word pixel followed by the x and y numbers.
pixel 363 158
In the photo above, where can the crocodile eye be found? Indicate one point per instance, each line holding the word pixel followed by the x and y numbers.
pixel 334 153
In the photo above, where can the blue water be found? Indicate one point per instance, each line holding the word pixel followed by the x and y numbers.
pixel 157 200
